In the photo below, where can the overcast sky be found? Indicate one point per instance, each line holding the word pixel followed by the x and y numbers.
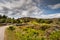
pixel 30 8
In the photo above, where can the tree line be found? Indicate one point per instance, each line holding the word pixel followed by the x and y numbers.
pixel 6 19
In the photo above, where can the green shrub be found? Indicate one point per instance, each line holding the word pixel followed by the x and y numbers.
pixel 11 28
pixel 45 26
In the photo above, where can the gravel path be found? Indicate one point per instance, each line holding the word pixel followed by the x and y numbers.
pixel 2 31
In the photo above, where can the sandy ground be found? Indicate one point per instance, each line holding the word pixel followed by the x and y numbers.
pixel 2 31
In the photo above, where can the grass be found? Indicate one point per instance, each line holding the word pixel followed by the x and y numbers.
pixel 35 32
pixel 55 35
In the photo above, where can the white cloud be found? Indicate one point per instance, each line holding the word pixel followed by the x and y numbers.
pixel 20 8
pixel 56 6
pixel 25 8
pixel 24 14
pixel 56 15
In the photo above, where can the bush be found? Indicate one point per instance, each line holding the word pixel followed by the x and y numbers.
pixel 45 26
pixel 11 28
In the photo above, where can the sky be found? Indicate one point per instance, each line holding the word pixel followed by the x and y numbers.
pixel 30 8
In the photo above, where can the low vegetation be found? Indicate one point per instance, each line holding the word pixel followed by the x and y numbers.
pixel 35 32
pixel 27 28
pixel 12 28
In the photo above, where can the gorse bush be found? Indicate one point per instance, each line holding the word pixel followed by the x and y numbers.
pixel 11 28
pixel 44 26
pixel 28 33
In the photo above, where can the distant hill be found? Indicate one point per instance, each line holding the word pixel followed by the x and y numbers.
pixel 5 19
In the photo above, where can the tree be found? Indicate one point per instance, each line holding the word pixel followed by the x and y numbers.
pixel 0 16
pixel 4 16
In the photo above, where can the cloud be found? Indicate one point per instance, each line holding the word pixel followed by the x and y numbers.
pixel 56 15
pixel 19 8
pixel 25 8
pixel 56 6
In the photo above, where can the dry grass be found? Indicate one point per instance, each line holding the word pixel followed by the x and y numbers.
pixel 34 32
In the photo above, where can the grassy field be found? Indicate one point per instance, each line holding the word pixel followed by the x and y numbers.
pixel 33 32
pixel 27 28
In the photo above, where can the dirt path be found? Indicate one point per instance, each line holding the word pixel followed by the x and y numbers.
pixel 2 31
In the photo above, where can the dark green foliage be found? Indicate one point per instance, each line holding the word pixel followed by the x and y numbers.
pixel 44 21
pixel 0 16
pixel 44 27
pixel 11 28
pixel 40 21
pixel 4 16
